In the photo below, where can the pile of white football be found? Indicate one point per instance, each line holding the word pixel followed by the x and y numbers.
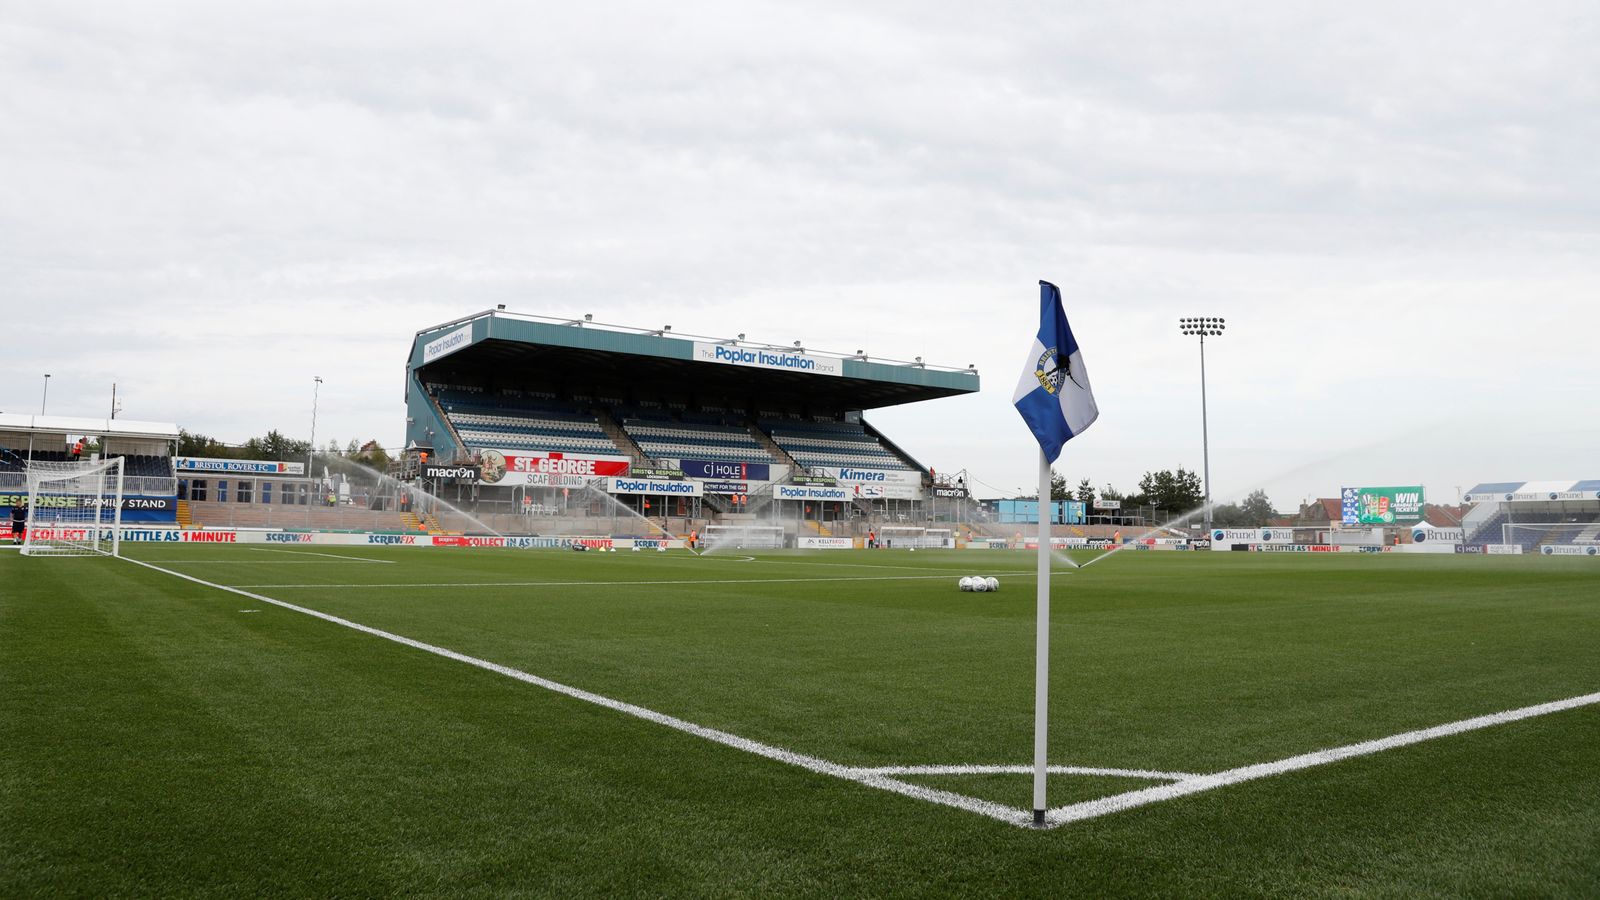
pixel 980 584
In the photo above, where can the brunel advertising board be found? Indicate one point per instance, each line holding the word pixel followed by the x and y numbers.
pixel 514 467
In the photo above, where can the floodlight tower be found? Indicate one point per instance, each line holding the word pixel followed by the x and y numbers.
pixel 316 392
pixel 1202 326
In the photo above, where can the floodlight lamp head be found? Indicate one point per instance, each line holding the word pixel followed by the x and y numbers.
pixel 588 317
pixel 741 335
pixel 797 343
pixel 666 328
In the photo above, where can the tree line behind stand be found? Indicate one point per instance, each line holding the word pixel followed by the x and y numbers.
pixel 275 446
pixel 1169 493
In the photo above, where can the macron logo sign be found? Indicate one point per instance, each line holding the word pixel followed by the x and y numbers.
pixel 756 358
pixel 448 344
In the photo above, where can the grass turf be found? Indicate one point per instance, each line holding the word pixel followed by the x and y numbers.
pixel 159 739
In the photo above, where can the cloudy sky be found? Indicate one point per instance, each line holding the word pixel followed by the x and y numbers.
pixel 1395 205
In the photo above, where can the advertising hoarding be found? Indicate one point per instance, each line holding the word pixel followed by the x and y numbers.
pixel 184 464
pixel 448 344
pixel 725 471
pixel 450 473
pixel 654 487
pixel 1381 505
pixel 853 475
pixel 513 467
pixel 767 358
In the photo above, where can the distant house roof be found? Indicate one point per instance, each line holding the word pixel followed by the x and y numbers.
pixel 1322 509
pixel 1440 516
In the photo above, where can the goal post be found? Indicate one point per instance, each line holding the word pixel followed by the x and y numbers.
pixel 745 537
pixel 74 509
pixel 910 537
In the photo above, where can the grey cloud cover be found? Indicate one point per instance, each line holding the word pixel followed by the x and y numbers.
pixel 1394 204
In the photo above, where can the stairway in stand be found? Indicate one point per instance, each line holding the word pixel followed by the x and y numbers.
pixel 821 529
pixel 411 522
pixel 624 441
pixel 768 444
pixel 185 515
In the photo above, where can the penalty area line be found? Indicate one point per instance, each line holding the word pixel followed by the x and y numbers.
pixel 820 766
pixel 458 584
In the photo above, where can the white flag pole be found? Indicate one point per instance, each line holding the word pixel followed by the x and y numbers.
pixel 1041 677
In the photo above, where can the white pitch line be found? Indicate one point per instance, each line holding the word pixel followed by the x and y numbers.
pixel 1026 770
pixel 1090 809
pixel 810 763
pixel 457 584
pixel 386 562
pixel 258 562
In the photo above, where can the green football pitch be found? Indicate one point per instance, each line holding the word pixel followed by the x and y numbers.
pixel 353 721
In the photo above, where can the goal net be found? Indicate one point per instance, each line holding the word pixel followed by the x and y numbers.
pixel 744 537
pixel 906 537
pixel 74 509
pixel 1533 534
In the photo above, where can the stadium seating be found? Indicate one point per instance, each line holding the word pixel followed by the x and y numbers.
pixel 534 422
pixel 147 466
pixel 830 443
pixel 690 435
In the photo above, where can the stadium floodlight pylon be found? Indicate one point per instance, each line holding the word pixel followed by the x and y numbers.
pixel 74 508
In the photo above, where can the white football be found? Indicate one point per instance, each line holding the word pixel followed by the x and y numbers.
pixel 966 583
pixel 979 585
pixel 992 583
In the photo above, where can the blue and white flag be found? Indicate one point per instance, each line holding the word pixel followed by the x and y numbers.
pixel 1053 395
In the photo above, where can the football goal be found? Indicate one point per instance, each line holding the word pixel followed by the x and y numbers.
pixel 74 509
pixel 907 537
pixel 744 537
pixel 1532 534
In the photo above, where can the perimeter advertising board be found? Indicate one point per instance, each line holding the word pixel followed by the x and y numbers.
pixel 798 492
pixel 514 467
pixel 1381 505
pixel 185 464
pixel 725 471
pixel 466 474
pixel 654 487
pixel 852 475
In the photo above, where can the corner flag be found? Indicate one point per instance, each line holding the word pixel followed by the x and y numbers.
pixel 1053 397
pixel 1053 394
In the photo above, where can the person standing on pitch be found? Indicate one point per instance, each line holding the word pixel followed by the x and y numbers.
pixel 694 539
pixel 19 522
